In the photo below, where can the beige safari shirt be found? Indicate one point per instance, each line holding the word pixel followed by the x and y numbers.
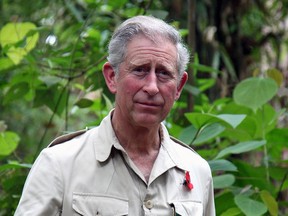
pixel 89 173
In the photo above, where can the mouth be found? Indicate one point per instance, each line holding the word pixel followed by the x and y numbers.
pixel 149 104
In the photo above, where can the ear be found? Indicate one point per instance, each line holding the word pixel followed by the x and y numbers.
pixel 181 84
pixel 110 77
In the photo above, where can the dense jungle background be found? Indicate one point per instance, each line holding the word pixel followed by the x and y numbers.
pixel 233 110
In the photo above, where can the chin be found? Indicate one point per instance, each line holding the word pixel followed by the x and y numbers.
pixel 147 120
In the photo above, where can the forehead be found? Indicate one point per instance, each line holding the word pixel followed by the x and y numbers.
pixel 141 49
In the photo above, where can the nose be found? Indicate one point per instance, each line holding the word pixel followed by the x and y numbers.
pixel 151 84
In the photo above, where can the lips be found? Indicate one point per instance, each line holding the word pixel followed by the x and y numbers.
pixel 155 102
pixel 148 105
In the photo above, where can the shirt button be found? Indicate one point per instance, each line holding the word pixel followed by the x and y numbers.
pixel 149 204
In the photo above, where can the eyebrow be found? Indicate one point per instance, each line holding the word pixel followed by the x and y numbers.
pixel 164 65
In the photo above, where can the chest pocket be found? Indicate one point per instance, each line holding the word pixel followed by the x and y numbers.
pixel 187 208
pixel 102 205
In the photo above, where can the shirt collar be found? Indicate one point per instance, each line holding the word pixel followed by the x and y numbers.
pixel 174 150
pixel 106 139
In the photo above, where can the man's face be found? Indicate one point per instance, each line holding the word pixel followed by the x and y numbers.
pixel 147 84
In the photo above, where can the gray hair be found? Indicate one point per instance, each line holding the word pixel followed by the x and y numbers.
pixel 153 29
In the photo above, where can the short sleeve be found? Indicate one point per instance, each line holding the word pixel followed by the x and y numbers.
pixel 209 205
pixel 42 192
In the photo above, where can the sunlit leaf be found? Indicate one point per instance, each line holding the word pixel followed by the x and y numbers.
pixel 233 120
pixel 19 39
pixel 8 142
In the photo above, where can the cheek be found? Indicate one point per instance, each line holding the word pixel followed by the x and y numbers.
pixel 129 87
pixel 170 93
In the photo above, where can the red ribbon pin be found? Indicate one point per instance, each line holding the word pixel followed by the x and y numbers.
pixel 187 181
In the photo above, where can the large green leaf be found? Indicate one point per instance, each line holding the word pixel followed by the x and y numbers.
pixel 255 92
pixel 222 165
pixel 208 132
pixel 223 181
pixel 201 119
pixel 249 206
pixel 241 148
pixel 19 39
pixel 8 142
pixel 188 134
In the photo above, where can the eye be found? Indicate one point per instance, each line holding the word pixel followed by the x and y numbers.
pixel 140 70
pixel 164 74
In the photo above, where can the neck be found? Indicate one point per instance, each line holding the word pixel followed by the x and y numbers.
pixel 141 144
pixel 136 138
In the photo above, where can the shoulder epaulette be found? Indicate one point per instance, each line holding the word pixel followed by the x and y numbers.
pixel 66 137
pixel 182 144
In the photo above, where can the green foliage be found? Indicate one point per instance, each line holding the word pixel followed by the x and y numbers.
pixel 238 133
pixel 262 91
pixel 50 80
pixel 18 39
pixel 249 206
pixel 8 142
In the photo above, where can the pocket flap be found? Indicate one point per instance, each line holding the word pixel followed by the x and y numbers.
pixel 185 208
pixel 98 204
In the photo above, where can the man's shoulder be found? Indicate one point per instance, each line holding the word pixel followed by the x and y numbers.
pixel 67 137
pixel 66 147
pixel 188 156
pixel 183 145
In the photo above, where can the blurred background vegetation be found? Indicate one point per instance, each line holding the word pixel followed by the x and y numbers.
pixel 233 110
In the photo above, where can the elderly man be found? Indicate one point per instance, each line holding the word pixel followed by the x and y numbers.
pixel 128 165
